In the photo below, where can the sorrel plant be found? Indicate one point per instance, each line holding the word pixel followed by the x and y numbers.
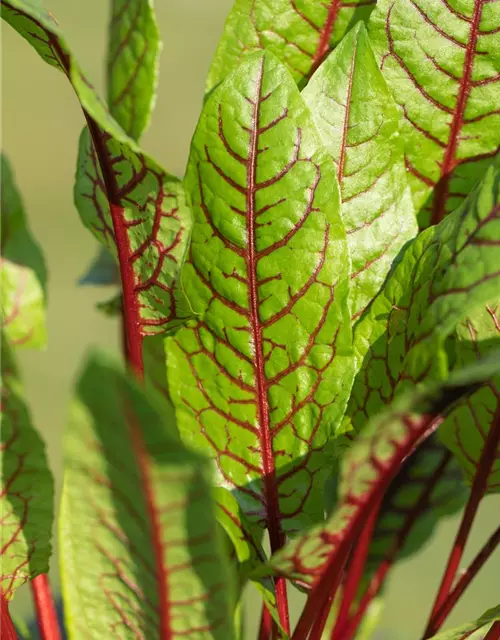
pixel 310 317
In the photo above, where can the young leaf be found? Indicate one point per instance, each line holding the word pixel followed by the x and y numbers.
pixel 368 468
pixel 133 60
pixel 262 376
pixel 299 32
pixel 428 487
pixel 136 505
pixel 468 429
pixel 27 490
pixel 22 271
pixel 367 147
pixel 446 77
pixel 464 631
pixel 448 271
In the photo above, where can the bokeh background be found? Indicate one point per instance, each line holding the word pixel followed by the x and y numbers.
pixel 41 122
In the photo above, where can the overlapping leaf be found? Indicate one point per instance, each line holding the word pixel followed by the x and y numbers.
pixel 442 62
pixel 367 147
pixel 263 374
pixel 137 506
pixel 475 424
pixel 429 486
pixel 448 271
pixel 22 271
pixel 133 57
pixel 299 32
pixel 26 497
pixel 464 631
pixel 153 220
pixel 367 469
pixel 132 206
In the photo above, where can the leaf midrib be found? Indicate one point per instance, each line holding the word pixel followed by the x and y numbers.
pixel 270 486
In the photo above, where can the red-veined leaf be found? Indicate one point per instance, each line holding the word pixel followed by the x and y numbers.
pixel 442 61
pixel 27 490
pixel 367 470
pixel 367 147
pixel 446 272
pixel 136 505
pixel 262 376
pixel 299 32
pixel 473 424
pixel 133 60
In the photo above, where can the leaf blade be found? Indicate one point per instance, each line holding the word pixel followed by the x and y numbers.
pixel 243 373
pixel 445 84
pixel 306 32
pixel 367 148
pixel 121 498
pixel 133 64
pixel 27 488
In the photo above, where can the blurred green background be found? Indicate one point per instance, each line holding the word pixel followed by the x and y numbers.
pixel 41 122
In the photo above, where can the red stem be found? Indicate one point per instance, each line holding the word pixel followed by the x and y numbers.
pixel 494 632
pixel 466 578
pixel 7 629
pixel 380 575
pixel 479 486
pixel 266 624
pixel 355 573
pixel 320 624
pixel 46 615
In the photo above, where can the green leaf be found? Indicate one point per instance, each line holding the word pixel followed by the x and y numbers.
pixel 428 487
pixel 133 63
pixel 467 429
pixel 22 271
pixel 27 494
pixel 367 147
pixel 448 271
pixel 442 62
pixel 464 631
pixel 152 215
pixel 368 468
pixel 262 376
pixel 136 505
pixel 120 192
pixel 299 32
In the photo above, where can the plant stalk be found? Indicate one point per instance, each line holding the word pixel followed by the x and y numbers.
pixel 266 624
pixel 478 490
pixel 355 573
pixel 46 614
pixel 380 575
pixel 7 629
pixel 494 632
pixel 466 578
pixel 320 624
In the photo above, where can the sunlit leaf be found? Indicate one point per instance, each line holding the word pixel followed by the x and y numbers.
pixel 299 32
pixel 367 147
pixel 136 505
pixel 448 271
pixel 367 470
pixel 262 376
pixel 442 61
pixel 133 57
pixel 22 271
pixel 27 493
